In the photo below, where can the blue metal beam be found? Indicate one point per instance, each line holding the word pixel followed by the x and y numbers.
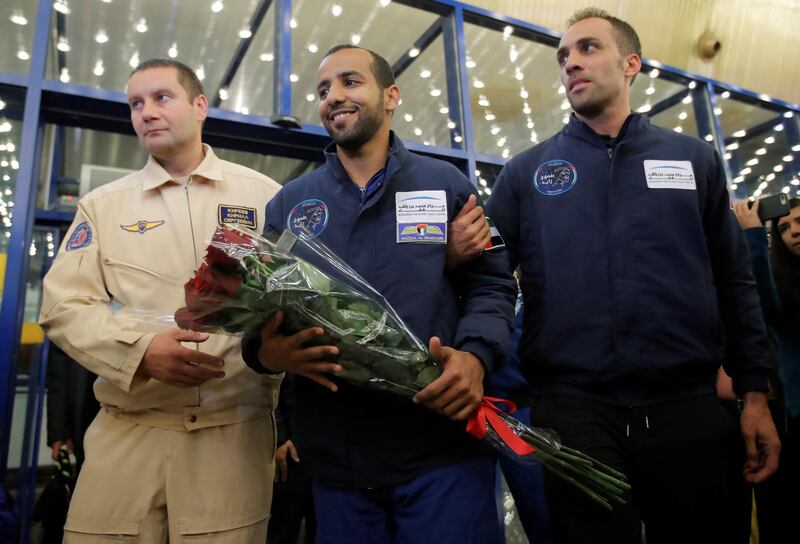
pixel 465 97
pixel 241 50
pixel 668 102
pixel 757 130
pixel 10 78
pixel 451 66
pixel 13 303
pixel 282 85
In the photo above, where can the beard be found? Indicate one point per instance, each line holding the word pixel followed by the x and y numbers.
pixel 369 121
pixel 590 106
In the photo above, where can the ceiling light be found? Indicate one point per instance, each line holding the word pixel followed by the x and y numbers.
pixel 478 84
pixel 650 90
pixel 435 92
pixel 769 140
pixel 717 111
pixel 470 63
pixel 141 27
pixel 418 131
pixel 745 171
pixel 61 6
pixel 687 99
pixel 786 189
pixel 526 109
pixel 99 69
pixel 64 75
pixel 794 147
pixel 223 94
pixel 425 73
pixel 683 115
pixel 565 119
pixel 18 18
pixel 766 97
pixel 444 110
pixel 795 181
pixel 355 39
pixel 562 90
pixel 726 94
pixel 530 123
pixel 266 57
pixel 513 54
pixel 788 158
pixel 732 147
pixel 458 139
pixel 385 3
pixel 200 73
pixel 413 52
pixel 565 104
pixel 654 73
pixel 494 130
pixel 523 93
pixel 312 47
pixel 728 156
pixel 173 51
pixel 507 31
pixel 489 116
pixel 217 6
pixel 778 168
pixel 518 75
pixel 483 101
pixel 752 162
pixel 778 128
pixel 678 129
pixel 101 37
pixel 645 108
pixel 310 97
pixel 293 22
pixel 23 55
pixel 134 62
pixel 245 33
pixel 294 78
pixel 692 84
pixel 408 117
pixel 451 125
pixel 2 105
pixel 761 151
pixel 788 114
pixel 739 134
pixel 336 10
pixel 63 44
pixel 709 138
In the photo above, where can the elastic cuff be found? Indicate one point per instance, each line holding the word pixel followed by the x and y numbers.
pixel 250 347
pixel 750 382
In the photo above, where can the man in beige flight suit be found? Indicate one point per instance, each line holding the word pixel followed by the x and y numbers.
pixel 183 447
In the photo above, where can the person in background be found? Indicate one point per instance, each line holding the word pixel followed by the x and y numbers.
pixel 776 267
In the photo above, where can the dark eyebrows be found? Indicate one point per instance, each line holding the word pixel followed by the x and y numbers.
pixel 563 50
pixel 340 75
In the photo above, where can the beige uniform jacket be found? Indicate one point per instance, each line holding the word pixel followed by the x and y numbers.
pixel 132 246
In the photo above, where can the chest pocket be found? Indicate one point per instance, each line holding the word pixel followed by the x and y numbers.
pixel 141 287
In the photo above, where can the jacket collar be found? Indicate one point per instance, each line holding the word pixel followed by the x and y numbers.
pixel 635 124
pixel 154 175
pixel 395 158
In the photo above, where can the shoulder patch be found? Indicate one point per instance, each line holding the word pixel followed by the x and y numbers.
pixel 81 237
pixel 555 177
pixel 241 215
pixel 311 214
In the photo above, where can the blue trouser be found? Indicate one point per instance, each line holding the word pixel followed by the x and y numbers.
pixel 453 504
pixel 526 483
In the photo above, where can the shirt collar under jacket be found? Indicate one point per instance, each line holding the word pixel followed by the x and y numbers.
pixel 397 153
pixel 154 175
pixel 635 124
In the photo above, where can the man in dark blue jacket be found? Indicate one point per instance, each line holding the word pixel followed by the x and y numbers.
pixel 385 469
pixel 637 285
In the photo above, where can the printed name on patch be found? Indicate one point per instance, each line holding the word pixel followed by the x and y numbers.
pixel 237 214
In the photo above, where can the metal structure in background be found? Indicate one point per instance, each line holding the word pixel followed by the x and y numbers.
pixel 477 124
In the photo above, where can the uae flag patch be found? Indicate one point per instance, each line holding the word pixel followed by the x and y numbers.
pixel 496 242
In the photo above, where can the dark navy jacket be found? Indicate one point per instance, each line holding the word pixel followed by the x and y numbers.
pixel 359 438
pixel 630 291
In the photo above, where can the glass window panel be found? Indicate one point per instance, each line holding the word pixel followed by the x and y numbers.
pixel 650 93
pixel 757 148
pixel 11 107
pixel 250 92
pixel 486 175
pixel 98 43
pixel 17 26
pixel 517 98
pixel 91 158
pixel 368 23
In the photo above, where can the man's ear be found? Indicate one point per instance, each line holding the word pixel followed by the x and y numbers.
pixel 201 105
pixel 633 65
pixel 391 98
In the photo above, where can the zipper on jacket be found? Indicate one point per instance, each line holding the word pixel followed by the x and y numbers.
pixel 610 153
pixel 191 223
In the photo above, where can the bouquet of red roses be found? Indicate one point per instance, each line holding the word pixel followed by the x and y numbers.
pixel 245 278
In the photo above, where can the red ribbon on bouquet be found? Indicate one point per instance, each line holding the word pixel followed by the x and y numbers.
pixel 486 415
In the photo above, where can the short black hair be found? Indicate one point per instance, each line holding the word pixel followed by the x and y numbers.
pixel 380 66
pixel 626 37
pixel 186 76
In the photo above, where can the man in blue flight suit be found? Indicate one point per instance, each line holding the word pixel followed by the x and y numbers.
pixel 385 469
pixel 637 285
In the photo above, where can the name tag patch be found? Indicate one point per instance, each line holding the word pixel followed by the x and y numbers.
pixel 670 175
pixel 237 214
pixel 421 217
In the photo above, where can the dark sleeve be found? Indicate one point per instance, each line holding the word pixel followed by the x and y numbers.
pixel 488 291
pixel 503 209
pixel 273 223
pixel 58 408
pixel 747 358
pixel 762 272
